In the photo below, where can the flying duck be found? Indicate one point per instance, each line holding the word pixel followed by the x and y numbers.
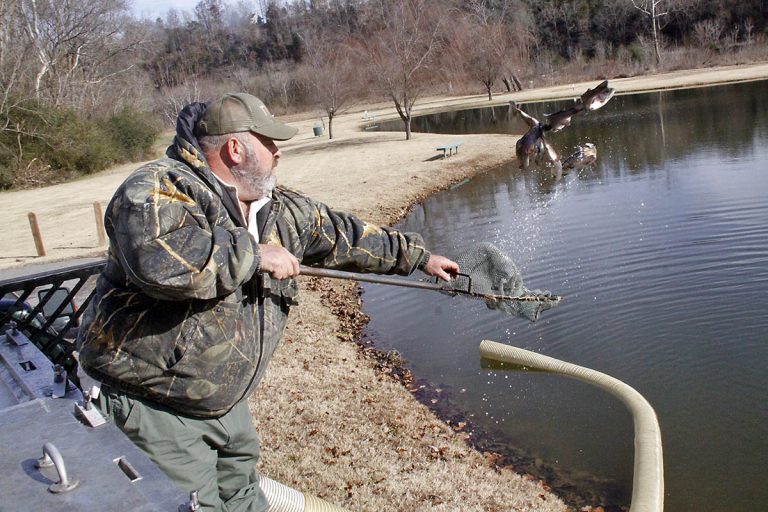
pixel 585 155
pixel 533 145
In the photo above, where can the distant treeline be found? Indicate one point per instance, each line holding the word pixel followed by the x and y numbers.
pixel 218 36
pixel 80 67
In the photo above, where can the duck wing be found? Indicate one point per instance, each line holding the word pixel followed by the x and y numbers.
pixel 550 155
pixel 595 98
pixel 553 159
pixel 562 119
pixel 529 119
pixel 571 162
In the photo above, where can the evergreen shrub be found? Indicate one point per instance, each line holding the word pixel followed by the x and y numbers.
pixel 43 144
pixel 133 133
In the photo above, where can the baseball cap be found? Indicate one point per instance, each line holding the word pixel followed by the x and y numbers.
pixel 241 112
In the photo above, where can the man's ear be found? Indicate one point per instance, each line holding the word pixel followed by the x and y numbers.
pixel 234 151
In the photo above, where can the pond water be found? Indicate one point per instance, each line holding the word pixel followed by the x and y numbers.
pixel 661 252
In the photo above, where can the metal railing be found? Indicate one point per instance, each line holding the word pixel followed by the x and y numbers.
pixel 55 314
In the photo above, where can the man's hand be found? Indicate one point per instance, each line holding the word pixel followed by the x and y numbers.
pixel 278 262
pixel 442 267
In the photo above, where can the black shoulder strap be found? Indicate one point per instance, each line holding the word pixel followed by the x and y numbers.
pixel 230 203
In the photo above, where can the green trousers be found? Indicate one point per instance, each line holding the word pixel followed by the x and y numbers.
pixel 217 456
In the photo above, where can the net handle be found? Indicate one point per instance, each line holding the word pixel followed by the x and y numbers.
pixel 395 281
pixel 370 278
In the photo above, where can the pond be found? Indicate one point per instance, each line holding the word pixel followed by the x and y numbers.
pixel 661 252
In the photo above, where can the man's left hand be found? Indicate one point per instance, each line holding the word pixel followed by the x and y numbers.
pixel 442 267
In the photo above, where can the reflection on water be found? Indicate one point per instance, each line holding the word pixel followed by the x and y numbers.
pixel 662 254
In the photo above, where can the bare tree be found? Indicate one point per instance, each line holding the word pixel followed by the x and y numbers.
pixel 16 74
pixel 655 10
pixel 521 28
pixel 12 55
pixel 280 83
pixel 330 78
pixel 208 14
pixel 77 44
pixel 489 41
pixel 482 44
pixel 174 98
pixel 749 27
pixel 708 33
pixel 401 50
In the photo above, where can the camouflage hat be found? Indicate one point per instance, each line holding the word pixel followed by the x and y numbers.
pixel 241 112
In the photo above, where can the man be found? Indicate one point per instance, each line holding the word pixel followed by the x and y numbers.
pixel 197 288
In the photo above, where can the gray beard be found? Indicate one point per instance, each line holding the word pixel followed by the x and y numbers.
pixel 255 186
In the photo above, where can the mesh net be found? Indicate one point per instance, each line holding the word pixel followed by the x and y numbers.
pixel 490 275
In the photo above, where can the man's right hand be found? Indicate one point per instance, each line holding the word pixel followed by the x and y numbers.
pixel 441 267
pixel 278 262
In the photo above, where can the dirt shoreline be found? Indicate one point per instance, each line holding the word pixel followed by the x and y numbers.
pixel 334 421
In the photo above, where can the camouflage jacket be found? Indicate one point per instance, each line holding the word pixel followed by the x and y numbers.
pixel 181 315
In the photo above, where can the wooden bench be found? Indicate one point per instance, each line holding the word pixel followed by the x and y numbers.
pixel 448 149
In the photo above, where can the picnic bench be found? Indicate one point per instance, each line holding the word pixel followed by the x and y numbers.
pixel 448 149
pixel 370 120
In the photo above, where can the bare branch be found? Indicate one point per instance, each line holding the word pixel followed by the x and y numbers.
pixel 402 50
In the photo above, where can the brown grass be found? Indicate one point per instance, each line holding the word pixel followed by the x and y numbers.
pixel 333 425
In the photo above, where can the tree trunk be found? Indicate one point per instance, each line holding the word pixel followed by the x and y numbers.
pixel 488 85
pixel 405 114
pixel 39 79
pixel 655 30
pixel 330 125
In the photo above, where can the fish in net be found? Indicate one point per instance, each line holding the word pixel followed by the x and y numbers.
pixel 490 275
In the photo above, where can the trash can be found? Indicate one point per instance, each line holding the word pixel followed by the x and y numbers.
pixel 318 130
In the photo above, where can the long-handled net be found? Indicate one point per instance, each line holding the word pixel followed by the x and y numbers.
pixel 490 275
pixel 486 274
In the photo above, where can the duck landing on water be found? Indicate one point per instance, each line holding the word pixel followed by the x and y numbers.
pixel 532 146
pixel 585 155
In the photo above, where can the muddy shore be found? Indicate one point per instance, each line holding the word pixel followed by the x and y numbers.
pixel 337 418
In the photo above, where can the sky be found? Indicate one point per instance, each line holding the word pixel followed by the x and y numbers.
pixel 154 8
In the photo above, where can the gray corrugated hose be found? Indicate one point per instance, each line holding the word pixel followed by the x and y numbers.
pixel 648 481
pixel 282 498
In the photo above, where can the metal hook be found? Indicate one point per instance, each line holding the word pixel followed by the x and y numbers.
pixel 52 457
